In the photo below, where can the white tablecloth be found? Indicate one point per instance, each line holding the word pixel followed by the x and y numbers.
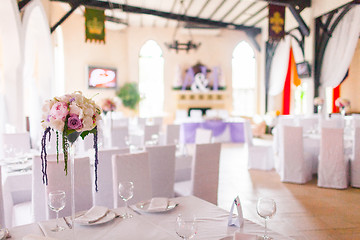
pixel 212 224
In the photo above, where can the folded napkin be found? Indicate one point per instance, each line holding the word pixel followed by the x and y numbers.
pixel 37 237
pixel 158 204
pixel 244 236
pixel 93 215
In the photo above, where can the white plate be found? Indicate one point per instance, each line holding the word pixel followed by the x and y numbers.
pixel 108 217
pixel 144 206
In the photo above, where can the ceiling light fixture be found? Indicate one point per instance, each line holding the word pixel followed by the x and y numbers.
pixel 176 44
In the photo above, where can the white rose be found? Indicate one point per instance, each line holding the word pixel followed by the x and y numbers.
pixel 57 124
pixel 88 110
pixel 74 109
pixel 87 123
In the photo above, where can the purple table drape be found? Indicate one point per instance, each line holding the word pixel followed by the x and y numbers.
pixel 188 130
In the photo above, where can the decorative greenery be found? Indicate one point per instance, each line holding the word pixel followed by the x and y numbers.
pixel 129 94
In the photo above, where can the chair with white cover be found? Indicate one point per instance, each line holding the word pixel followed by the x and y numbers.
pixel 157 121
pixel 133 167
pixel 181 116
pixel 196 115
pixel 334 122
pixel 309 123
pixel 355 160
pixel 333 170
pixel 211 113
pixel 205 174
pixel 293 166
pixel 57 180
pixel 162 170
pixel 2 217
pixel 15 143
pixel 149 131
pixel 172 134
pixel 260 155
pixel 105 195
pixel 118 137
pixel 120 122
pixel 141 122
pixel 203 136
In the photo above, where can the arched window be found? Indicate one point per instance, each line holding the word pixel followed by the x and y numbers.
pixel 244 80
pixel 151 79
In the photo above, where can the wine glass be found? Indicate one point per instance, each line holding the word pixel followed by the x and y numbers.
pixel 56 203
pixel 186 226
pixel 266 208
pixel 126 192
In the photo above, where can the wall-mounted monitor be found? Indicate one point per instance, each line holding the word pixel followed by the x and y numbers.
pixel 303 69
pixel 101 77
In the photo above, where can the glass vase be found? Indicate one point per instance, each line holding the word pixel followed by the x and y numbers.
pixel 342 111
pixel 72 138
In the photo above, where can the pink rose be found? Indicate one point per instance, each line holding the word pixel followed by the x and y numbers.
pixel 59 111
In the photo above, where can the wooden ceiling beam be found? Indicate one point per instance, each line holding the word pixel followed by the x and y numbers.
pixel 22 4
pixel 231 9
pixel 168 15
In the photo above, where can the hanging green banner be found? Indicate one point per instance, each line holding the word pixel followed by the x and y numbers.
pixel 94 25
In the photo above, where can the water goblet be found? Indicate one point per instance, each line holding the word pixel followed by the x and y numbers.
pixel 186 226
pixel 266 208
pixel 56 203
pixel 126 192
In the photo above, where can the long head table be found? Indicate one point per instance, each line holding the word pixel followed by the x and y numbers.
pixel 212 224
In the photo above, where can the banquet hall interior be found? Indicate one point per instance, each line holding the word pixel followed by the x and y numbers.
pixel 215 99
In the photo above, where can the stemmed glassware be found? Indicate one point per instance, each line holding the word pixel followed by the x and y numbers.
pixel 186 226
pixel 126 192
pixel 56 203
pixel 266 208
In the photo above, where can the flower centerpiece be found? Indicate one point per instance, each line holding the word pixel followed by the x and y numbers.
pixel 342 103
pixel 73 115
pixel 318 101
pixel 108 105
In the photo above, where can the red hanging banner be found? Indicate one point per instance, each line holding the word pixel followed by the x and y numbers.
pixel 336 95
pixel 276 22
pixel 287 89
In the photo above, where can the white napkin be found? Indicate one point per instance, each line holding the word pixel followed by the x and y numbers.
pixel 92 215
pixel 36 237
pixel 244 236
pixel 158 204
pixel 240 219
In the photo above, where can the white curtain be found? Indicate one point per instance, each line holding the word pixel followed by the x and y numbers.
pixel 340 49
pixel 280 62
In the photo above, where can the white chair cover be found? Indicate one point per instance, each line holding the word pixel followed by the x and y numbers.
pixel 293 167
pixel 172 134
pixel 105 195
pixel 57 180
pixel 356 123
pixel 133 167
pixel 309 124
pixel 211 113
pixel 15 143
pixel 205 174
pixel 260 156
pixel 2 217
pixel 158 121
pixel 141 122
pixel 203 136
pixel 150 130
pixel 334 122
pixel 333 171
pixel 181 116
pixel 162 170
pixel 120 122
pixel 195 115
pixel 118 135
pixel 355 160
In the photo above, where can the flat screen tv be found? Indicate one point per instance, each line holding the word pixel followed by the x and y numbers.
pixel 101 77
pixel 303 69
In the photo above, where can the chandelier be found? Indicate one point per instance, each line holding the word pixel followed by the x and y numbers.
pixel 176 44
